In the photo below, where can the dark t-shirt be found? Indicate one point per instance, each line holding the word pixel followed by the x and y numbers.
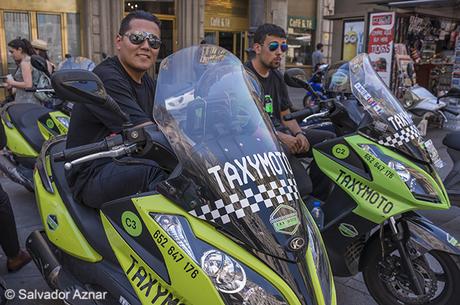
pixel 274 86
pixel 92 123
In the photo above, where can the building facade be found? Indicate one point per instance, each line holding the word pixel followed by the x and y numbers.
pixel 87 27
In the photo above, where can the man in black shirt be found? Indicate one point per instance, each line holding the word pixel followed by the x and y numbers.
pixel 126 81
pixel 269 46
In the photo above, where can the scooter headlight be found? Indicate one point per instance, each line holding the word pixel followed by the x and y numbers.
pixel 227 275
pixel 237 283
pixel 400 169
pixel 417 183
pixel 64 121
pixel 173 227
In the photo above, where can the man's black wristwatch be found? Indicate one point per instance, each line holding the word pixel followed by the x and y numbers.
pixel 297 133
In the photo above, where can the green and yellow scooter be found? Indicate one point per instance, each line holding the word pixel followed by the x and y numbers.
pixel 24 129
pixel 227 226
pixel 381 173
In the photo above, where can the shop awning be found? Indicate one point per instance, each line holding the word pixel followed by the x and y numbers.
pixel 358 15
pixel 414 3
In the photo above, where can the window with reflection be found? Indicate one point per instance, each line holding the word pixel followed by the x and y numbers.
pixel 17 25
pixel 49 30
pixel 73 34
pixel 300 38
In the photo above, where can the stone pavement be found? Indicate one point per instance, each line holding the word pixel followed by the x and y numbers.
pixel 350 291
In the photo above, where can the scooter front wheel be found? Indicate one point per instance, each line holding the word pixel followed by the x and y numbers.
pixel 437 272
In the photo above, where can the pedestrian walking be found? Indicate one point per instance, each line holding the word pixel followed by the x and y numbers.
pixel 317 57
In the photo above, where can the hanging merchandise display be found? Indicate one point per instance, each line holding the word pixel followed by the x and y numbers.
pixel 456 69
pixel 430 43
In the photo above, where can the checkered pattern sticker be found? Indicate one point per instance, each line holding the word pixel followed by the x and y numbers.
pixel 403 136
pixel 264 196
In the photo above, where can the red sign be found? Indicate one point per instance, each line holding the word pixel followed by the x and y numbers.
pixel 380 46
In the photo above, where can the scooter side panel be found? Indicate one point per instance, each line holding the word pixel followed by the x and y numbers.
pixel 53 125
pixel 44 131
pixel 380 174
pixel 148 285
pixel 210 235
pixel 59 225
pixel 380 196
pixel 17 144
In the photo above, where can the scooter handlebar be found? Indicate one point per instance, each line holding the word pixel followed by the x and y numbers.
pixel 44 89
pixel 80 151
pixel 328 104
pixel 301 113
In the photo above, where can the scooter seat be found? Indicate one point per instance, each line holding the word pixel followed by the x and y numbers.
pixel 86 218
pixel 24 117
pixel 452 140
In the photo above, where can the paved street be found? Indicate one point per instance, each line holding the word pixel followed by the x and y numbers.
pixel 350 291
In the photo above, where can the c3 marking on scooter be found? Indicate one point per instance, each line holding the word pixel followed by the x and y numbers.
pixel 131 223
pixel 359 188
pixel 176 256
pixel 143 280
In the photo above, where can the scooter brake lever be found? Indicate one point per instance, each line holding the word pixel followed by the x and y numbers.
pixel 113 153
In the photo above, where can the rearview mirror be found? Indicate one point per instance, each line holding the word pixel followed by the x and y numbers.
pixel 80 86
pixel 295 77
pixel 40 64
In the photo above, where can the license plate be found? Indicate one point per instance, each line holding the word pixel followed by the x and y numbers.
pixel 434 155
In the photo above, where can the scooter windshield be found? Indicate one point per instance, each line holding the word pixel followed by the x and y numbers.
pixel 234 172
pixel 392 126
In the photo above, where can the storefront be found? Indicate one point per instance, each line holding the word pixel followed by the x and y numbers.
pixel 401 34
pixel 301 25
pixel 226 24
pixel 428 43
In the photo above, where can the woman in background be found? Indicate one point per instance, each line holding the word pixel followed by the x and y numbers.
pixel 25 75
pixel 41 48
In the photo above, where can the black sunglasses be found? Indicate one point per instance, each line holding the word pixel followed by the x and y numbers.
pixel 274 45
pixel 139 37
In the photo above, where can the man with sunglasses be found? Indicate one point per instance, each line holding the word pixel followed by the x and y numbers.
pixel 269 47
pixel 126 81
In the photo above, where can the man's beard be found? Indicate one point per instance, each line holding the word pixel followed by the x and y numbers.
pixel 271 64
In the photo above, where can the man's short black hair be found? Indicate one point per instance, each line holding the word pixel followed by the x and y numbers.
pixel 319 46
pixel 268 29
pixel 124 26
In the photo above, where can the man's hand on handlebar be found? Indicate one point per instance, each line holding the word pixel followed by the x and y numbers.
pixel 303 143
pixel 297 144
